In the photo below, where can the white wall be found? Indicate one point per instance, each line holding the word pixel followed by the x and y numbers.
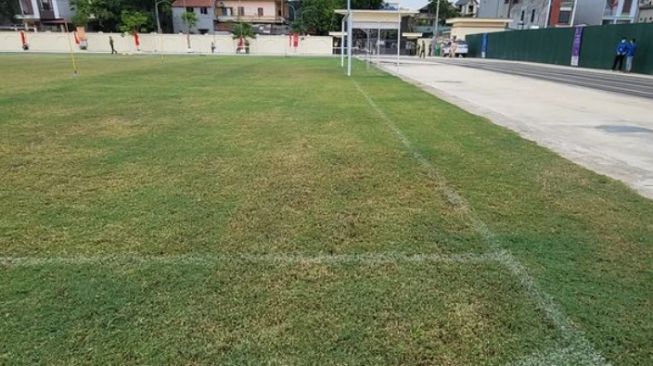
pixel 166 43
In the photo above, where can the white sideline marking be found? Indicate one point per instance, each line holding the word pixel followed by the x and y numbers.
pixel 562 356
pixel 368 258
pixel 574 338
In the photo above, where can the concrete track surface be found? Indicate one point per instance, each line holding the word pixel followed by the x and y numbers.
pixel 598 119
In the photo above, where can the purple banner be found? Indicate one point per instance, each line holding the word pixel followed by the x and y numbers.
pixel 575 46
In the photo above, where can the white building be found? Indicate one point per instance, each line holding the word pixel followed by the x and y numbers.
pixel 645 11
pixel 467 8
pixel 204 11
pixel 44 14
pixel 527 14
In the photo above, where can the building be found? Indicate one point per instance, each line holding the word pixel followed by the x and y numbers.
pixel 461 27
pixel 529 14
pixel 203 9
pixel 45 14
pixel 467 8
pixel 220 15
pixel 645 14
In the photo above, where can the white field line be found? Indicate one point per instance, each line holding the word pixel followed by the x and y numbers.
pixel 555 356
pixel 209 259
pixel 574 338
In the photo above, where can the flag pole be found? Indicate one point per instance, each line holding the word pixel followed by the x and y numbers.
pixel 70 46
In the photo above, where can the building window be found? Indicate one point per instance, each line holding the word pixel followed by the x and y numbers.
pixel 26 6
pixel 523 13
pixel 45 5
pixel 533 16
pixel 190 10
pixel 470 10
pixel 204 10
pixel 260 12
pixel 564 17
pixel 241 11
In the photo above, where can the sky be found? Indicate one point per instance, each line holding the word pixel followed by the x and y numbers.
pixel 411 4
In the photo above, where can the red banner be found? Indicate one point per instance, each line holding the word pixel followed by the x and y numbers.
pixel 295 40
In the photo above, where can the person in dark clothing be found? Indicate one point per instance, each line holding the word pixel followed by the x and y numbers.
pixel 113 50
pixel 422 50
pixel 622 49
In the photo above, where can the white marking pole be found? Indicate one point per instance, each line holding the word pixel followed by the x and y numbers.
pixel 342 43
pixel 378 43
pixel 398 33
pixel 349 37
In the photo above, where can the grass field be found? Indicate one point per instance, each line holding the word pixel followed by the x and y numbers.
pixel 201 210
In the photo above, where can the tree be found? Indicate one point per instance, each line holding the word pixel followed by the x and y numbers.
pixel 190 19
pixel 8 11
pixel 242 31
pixel 132 21
pixel 80 19
pixel 447 10
pixel 318 17
pixel 106 15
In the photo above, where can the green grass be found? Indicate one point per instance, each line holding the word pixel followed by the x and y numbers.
pixel 179 183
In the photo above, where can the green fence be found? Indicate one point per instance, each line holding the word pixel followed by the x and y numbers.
pixel 553 45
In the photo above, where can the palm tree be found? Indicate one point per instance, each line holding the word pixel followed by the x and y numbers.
pixel 242 31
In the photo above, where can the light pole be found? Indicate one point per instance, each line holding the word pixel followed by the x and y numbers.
pixel 156 13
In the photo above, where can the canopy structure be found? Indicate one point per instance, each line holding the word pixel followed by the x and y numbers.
pixel 370 19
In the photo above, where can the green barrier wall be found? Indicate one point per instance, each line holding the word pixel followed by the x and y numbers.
pixel 553 45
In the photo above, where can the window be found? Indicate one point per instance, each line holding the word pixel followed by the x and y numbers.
pixel 564 17
pixel 533 16
pixel 204 10
pixel 260 12
pixel 26 6
pixel 241 11
pixel 470 10
pixel 190 10
pixel 45 5
pixel 523 13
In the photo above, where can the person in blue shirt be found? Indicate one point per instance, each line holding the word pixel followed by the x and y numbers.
pixel 630 54
pixel 622 49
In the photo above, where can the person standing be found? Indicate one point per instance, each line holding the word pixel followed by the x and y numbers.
pixel 113 50
pixel 622 48
pixel 630 54
pixel 422 53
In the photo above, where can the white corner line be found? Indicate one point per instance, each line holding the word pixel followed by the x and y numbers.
pixel 572 335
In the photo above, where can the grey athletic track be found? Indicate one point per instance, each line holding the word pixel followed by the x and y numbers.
pixel 630 84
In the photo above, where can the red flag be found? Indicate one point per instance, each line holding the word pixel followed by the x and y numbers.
pixel 136 41
pixel 295 40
